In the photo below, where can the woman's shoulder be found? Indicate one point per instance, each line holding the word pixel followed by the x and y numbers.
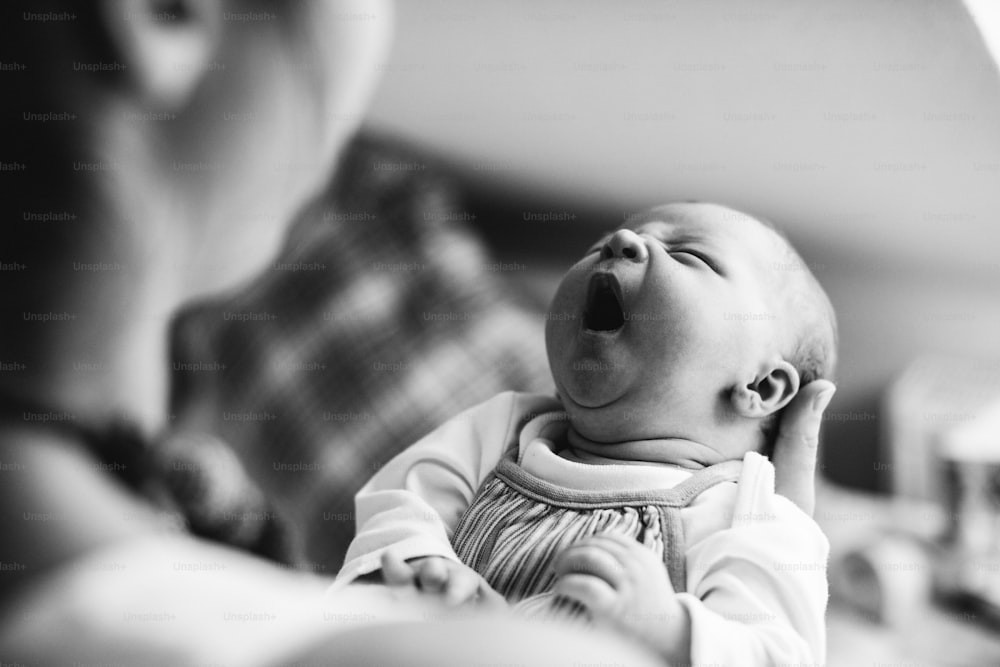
pixel 58 503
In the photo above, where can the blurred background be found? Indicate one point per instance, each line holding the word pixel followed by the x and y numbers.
pixel 507 134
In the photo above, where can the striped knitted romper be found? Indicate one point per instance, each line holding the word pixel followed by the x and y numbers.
pixel 518 523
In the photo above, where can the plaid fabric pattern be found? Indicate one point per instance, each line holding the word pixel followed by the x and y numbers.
pixel 380 319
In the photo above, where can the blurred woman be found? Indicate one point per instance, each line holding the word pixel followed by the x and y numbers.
pixel 151 152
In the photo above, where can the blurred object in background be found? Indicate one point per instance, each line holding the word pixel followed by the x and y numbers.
pixel 938 400
pixel 943 445
pixel 986 14
pixel 936 537
pixel 969 571
pixel 942 441
pixel 886 580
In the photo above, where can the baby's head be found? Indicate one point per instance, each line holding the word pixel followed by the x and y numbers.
pixel 694 324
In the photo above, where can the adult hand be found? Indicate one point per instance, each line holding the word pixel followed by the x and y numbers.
pixel 798 440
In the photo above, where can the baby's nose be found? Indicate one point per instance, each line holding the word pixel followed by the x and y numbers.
pixel 625 244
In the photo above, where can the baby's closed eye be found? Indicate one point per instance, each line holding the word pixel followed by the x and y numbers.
pixel 697 255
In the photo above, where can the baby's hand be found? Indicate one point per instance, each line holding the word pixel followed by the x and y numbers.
pixel 625 585
pixel 456 583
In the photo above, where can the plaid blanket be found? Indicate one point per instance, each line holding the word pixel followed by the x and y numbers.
pixel 379 320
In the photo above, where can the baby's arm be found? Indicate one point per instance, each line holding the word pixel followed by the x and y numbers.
pixel 758 589
pixel 760 584
pixel 625 585
pixel 411 507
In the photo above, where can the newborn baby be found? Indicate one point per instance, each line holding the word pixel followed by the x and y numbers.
pixel 638 497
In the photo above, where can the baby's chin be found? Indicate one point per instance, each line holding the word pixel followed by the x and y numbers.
pixel 588 394
pixel 591 373
pixel 592 381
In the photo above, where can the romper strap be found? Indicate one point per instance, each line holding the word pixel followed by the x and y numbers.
pixel 678 496
pixel 674 556
pixel 703 480
pixel 668 502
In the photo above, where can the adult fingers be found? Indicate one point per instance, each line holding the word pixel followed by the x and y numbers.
pixel 798 440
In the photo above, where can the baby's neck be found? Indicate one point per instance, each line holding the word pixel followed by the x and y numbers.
pixel 668 451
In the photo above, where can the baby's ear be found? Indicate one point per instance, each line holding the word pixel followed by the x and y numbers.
pixel 768 392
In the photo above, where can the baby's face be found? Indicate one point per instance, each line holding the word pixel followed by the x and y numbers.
pixel 661 319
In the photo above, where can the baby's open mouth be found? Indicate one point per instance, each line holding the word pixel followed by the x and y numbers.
pixel 604 309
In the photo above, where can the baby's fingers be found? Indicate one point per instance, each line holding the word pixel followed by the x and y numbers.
pixel 489 599
pixel 590 558
pixel 462 587
pixel 640 564
pixel 432 574
pixel 465 586
pixel 395 570
pixel 596 595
